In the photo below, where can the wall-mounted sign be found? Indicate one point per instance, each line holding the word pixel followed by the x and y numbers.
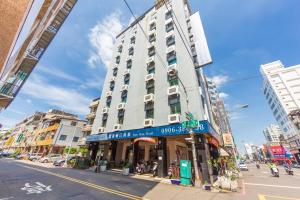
pixel 228 140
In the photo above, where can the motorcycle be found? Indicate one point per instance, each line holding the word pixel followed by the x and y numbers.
pixel 289 171
pixel 275 172
pixel 140 168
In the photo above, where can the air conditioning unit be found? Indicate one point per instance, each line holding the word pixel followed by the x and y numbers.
pixel 105 110
pixel 124 87
pixel 127 71
pixel 148 98
pixel 170 49
pixel 172 32
pixel 117 127
pixel 173 90
pixel 149 77
pixel 150 59
pixel 121 106
pixel 174 118
pixel 112 79
pixel 101 130
pixel 115 66
pixel 129 58
pixel 168 20
pixel 172 68
pixel 109 93
pixel 148 122
pixel 151 44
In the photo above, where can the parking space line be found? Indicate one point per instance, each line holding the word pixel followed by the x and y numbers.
pixel 98 187
pixel 263 197
pixel 267 185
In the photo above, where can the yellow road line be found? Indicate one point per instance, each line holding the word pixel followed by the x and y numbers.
pixel 263 197
pixel 98 187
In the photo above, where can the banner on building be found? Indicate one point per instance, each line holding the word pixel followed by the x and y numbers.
pixel 228 140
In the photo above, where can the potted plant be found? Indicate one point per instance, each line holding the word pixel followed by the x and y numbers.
pixel 103 165
pixel 126 168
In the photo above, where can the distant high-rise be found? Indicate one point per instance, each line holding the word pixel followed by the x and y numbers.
pixel 272 134
pixel 281 87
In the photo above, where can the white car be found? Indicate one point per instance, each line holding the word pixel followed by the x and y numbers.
pixel 243 167
pixel 50 158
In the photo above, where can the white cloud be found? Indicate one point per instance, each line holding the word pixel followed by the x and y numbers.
pixel 28 101
pixel 223 95
pixel 102 37
pixel 220 80
pixel 58 73
pixel 63 98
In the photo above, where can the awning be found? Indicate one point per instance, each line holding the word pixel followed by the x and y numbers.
pixel 145 139
pixel 223 153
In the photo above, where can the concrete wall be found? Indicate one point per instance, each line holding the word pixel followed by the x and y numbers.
pixel 69 131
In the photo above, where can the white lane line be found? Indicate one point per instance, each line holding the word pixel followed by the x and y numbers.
pixel 6 198
pixel 278 186
pixel 244 190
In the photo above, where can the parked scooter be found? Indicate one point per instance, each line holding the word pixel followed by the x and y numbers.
pixel 154 168
pixel 275 172
pixel 289 170
pixel 140 168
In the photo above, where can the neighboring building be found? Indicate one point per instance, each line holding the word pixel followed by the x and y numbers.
pixel 20 64
pixel 12 17
pixel 87 129
pixel 57 130
pixel 281 87
pixel 273 134
pixel 143 101
pixel 249 150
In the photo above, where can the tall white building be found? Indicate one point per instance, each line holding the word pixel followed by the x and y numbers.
pixel 143 99
pixel 272 134
pixel 281 88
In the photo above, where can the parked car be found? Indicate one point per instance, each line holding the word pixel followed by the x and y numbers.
pixel 4 154
pixel 61 161
pixel 35 156
pixel 243 167
pixel 50 158
pixel 22 156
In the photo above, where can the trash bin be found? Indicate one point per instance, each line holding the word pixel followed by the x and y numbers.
pixel 185 172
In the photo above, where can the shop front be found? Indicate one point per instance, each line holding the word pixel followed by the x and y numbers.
pixel 166 145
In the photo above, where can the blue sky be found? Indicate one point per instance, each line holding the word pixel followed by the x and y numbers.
pixel 241 35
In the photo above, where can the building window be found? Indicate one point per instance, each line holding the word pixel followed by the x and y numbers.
pixel 75 139
pixel 170 40
pixel 108 101
pixel 175 107
pixel 131 51
pixel 115 72
pixel 150 87
pixel 149 108
pixel 195 59
pixel 120 48
pixel 171 57
pixel 112 86
pixel 152 26
pixel 63 137
pixel 132 40
pixel 126 79
pixel 151 51
pixel 121 116
pixel 152 37
pixel 129 64
pixel 124 97
pixel 118 58
pixel 168 15
pixel 173 80
pixel 169 27
pixel 104 120
pixel 73 123
pixel 151 67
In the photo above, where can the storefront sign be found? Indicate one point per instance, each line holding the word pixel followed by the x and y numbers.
pixel 159 131
pixel 227 139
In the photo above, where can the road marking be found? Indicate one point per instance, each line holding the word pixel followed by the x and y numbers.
pixel 98 187
pixel 36 189
pixel 279 186
pixel 6 198
pixel 263 197
pixel 243 185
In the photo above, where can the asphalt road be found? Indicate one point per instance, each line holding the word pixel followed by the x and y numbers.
pixel 19 181
pixel 260 184
pixel 22 182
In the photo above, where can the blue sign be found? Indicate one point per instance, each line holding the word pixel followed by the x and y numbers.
pixel 159 131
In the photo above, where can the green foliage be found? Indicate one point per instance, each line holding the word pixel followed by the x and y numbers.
pixel 231 171
pixel 72 150
pixel 83 150
pixel 127 165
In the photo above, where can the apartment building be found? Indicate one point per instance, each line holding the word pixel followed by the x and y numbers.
pixel 153 80
pixel 87 129
pixel 25 57
pixel 273 134
pixel 281 87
